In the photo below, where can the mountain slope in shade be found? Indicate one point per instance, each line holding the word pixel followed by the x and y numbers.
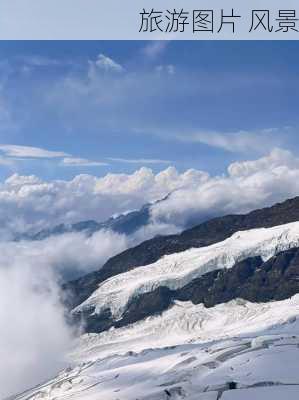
pixel 250 279
pixel 205 234
pixel 233 351
pixel 114 297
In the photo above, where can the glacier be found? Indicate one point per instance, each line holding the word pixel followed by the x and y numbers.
pixel 176 270
pixel 187 352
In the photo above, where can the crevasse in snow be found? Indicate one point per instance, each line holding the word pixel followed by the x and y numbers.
pixel 190 352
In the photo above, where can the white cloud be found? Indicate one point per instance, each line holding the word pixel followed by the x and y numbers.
pixel 16 151
pixel 34 336
pixel 29 203
pixel 240 141
pixel 246 186
pixel 140 161
pixel 275 159
pixel 104 63
pixel 17 181
pixel 81 162
pixel 151 230
pixel 67 255
pixel 145 182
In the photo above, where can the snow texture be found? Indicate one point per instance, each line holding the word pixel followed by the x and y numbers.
pixel 239 350
pixel 233 351
pixel 176 270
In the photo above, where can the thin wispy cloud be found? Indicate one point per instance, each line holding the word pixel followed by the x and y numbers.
pixel 13 153
pixel 16 151
pixel 81 162
pixel 42 61
pixel 236 142
pixel 6 162
pixel 139 160
pixel 22 153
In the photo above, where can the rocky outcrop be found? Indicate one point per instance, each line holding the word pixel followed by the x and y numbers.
pixel 205 234
pixel 251 279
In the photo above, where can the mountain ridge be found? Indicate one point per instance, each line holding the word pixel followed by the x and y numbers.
pixel 126 223
pixel 204 234
pixel 250 279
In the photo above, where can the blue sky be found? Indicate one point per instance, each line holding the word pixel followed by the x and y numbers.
pixel 115 106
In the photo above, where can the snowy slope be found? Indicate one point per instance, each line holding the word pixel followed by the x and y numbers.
pixel 233 351
pixel 176 270
pixel 188 352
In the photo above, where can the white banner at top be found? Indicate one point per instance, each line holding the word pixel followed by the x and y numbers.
pixel 149 20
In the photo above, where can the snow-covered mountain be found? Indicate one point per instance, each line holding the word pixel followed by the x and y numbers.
pixel 205 234
pixel 216 319
pixel 234 351
pixel 113 296
pixel 126 223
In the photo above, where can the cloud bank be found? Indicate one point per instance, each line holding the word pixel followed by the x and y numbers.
pixel 34 336
pixel 68 255
pixel 28 203
pixel 246 185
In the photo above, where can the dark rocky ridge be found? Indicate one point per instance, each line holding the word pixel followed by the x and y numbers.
pixel 251 279
pixel 205 234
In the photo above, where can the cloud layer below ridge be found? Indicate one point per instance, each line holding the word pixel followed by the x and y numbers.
pixel 28 203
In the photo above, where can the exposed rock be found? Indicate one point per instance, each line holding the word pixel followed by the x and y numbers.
pixel 251 279
pixel 205 234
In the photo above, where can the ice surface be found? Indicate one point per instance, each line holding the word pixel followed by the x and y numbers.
pixel 188 352
pixel 176 270
pixel 265 393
